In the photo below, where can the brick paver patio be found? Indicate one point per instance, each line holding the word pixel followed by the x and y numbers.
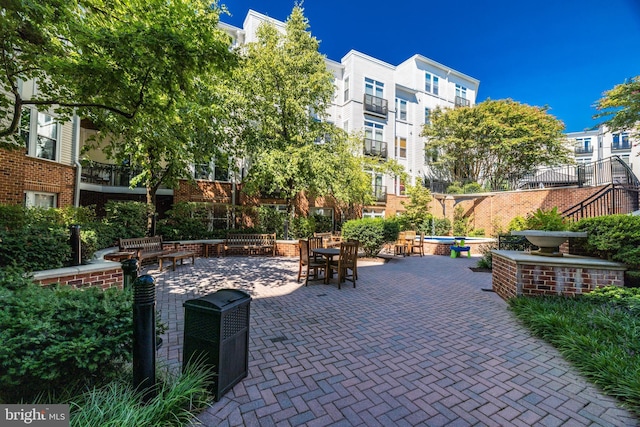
pixel 418 342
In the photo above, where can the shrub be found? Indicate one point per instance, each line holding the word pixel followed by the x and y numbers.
pixel 302 227
pixel 478 232
pixel 130 218
pixel 372 233
pixel 186 221
pixel 461 225
pixel 35 246
pixel 271 220
pixel 518 223
pixel 53 337
pixel 487 256
pixel 612 237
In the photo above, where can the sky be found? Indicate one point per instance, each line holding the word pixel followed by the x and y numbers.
pixel 558 53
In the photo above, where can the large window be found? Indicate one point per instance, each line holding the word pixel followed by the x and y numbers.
pixel 401 109
pixel 40 133
pixel 621 141
pixel 373 87
pixel 461 91
pixel 210 172
pixel 431 83
pixel 401 147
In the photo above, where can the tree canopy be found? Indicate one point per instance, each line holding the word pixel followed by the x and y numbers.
pixel 287 91
pixel 622 105
pixel 493 142
pixel 105 55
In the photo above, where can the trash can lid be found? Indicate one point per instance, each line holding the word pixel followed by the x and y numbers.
pixel 219 299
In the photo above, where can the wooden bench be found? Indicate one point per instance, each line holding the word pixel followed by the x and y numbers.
pixel 145 247
pixel 251 244
pixel 177 256
pixel 328 240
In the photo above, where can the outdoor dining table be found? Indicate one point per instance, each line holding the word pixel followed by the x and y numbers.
pixel 328 254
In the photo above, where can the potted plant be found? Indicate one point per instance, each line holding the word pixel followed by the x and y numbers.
pixel 547 229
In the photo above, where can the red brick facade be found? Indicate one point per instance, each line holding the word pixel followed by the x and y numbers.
pixel 22 173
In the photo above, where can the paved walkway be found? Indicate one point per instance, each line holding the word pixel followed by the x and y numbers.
pixel 418 342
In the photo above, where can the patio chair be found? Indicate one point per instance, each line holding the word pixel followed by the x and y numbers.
pixel 309 266
pixel 400 247
pixel 418 245
pixel 348 260
pixel 315 243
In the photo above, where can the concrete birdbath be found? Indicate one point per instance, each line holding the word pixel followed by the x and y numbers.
pixel 548 241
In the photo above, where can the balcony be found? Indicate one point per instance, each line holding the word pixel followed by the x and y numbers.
pixel 584 150
pixel 380 193
pixel 375 148
pixel 461 102
pixel 107 174
pixel 375 105
pixel 621 147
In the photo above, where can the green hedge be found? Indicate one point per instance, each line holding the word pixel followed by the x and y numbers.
pixel 612 237
pixel 372 233
pixel 56 339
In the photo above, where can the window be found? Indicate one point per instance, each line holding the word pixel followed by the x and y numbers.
pixel 345 126
pixel 373 131
pixel 621 141
pixel 346 90
pixel 583 145
pixel 40 200
pixel 207 171
pixel 427 116
pixel 373 87
pixel 373 213
pixel 461 91
pixel 431 83
pixel 47 141
pixel 401 188
pixel 44 142
pixel 401 147
pixel 401 109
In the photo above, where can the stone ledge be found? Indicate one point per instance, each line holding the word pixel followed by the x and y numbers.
pixel 564 261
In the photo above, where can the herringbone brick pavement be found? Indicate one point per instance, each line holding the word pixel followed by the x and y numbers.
pixel 419 341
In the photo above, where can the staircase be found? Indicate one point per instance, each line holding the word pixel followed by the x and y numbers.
pixel 620 196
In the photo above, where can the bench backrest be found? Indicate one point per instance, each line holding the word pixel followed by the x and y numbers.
pixel 146 244
pixel 251 239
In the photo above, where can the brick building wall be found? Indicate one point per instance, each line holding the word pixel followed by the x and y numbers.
pixel 22 173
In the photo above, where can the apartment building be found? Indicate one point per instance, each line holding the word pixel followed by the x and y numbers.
pixel 387 104
pixel 601 143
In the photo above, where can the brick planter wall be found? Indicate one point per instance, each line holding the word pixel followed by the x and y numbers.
pixel 518 273
pixel 104 275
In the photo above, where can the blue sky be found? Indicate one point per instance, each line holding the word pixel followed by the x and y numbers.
pixel 559 53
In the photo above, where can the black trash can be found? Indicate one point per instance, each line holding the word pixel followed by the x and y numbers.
pixel 216 331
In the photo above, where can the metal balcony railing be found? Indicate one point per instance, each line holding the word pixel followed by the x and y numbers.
pixel 380 193
pixel 375 148
pixel 375 105
pixel 621 147
pixel 584 150
pixel 107 174
pixel 462 102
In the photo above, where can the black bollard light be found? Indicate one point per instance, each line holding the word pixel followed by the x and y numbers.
pixel 76 246
pixel 144 335
pixel 130 272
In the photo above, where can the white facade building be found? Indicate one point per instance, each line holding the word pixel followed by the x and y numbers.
pixel 598 144
pixel 388 104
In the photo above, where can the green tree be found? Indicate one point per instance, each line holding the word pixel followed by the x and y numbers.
pixel 622 105
pixel 493 142
pixel 417 207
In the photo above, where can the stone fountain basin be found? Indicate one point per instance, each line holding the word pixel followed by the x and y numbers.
pixel 548 239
